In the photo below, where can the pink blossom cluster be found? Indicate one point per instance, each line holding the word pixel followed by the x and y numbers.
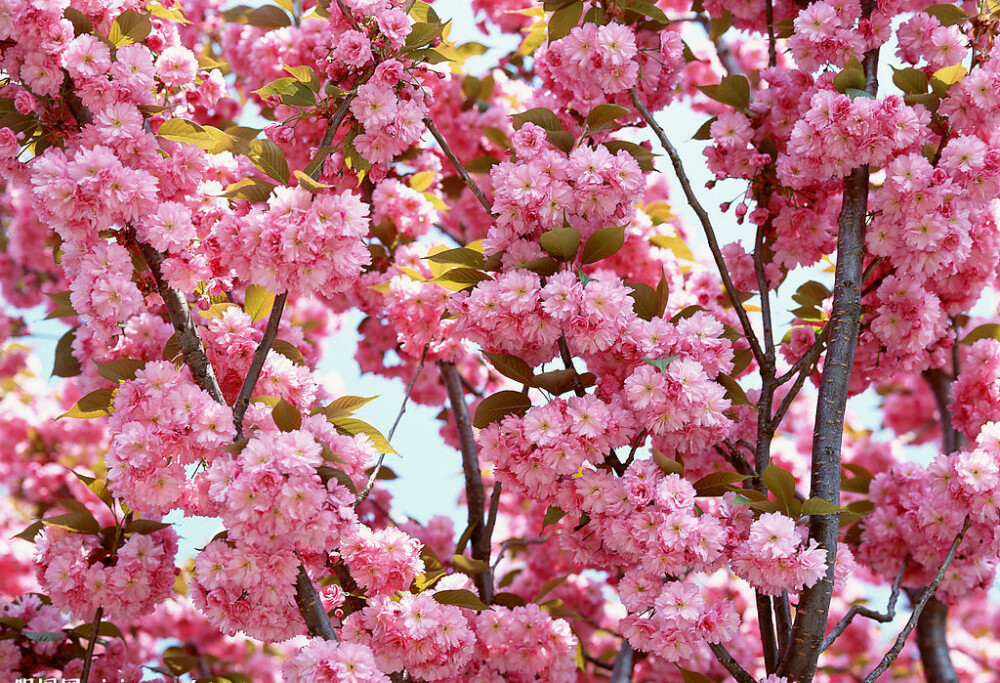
pixel 300 242
pixel 775 556
pixel 923 37
pixel 909 321
pixel 416 309
pixel 838 135
pixel 521 644
pixel 590 189
pixel 80 576
pixel 240 588
pixel 596 64
pixel 35 616
pixel 408 210
pixel 429 640
pixel 919 512
pixel 162 421
pixel 976 391
pixel 825 32
pixel 382 562
pixel 681 618
pixel 271 496
pixel 390 112
pixel 682 395
pixel 326 661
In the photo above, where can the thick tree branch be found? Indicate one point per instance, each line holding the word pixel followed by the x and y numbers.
pixel 311 606
pixel 474 494
pixel 257 364
pixel 621 672
pixel 459 168
pixel 845 320
pixel 706 224
pixel 918 608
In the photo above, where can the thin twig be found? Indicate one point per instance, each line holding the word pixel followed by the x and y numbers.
pixel 89 657
pixel 772 52
pixel 513 543
pixel 399 416
pixel 855 610
pixel 348 14
pixel 911 623
pixel 731 665
pixel 706 224
pixel 257 364
pixel 459 168
pixel 491 519
pixel 475 496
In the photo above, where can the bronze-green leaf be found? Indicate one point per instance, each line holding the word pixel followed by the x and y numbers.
pixel 511 366
pixel 461 598
pixel 781 483
pixel 352 427
pixel 95 404
pixel 286 416
pixel 561 243
pixel 499 405
pixel 603 243
pixel 269 158
pixel 66 364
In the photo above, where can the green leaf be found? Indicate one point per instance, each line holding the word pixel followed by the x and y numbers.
pixel 469 566
pixel 734 392
pixel 603 243
pixel 647 301
pixel 30 533
pixel 561 243
pixel 987 331
pixel 948 15
pixel 648 9
pixel 292 92
pixel 347 404
pixel 269 158
pixel 539 116
pixel 288 350
pixel 144 526
pixel 250 190
pixel 462 276
pixel 286 416
pixel 95 404
pixel 268 16
pixel 819 506
pixel 63 308
pixel 44 636
pixel 675 244
pixel 852 76
pixel 781 483
pixel 717 483
pixel 717 26
pixel 550 586
pixel 120 370
pixel 461 598
pixel 422 180
pixel 326 473
pixel 306 182
pixel 352 427
pixel 910 81
pixel 564 20
pixel 81 23
pixel 557 381
pixel 305 75
pixel 603 116
pixel 66 364
pixel 130 27
pixel 509 600
pixel 511 366
pixel 704 131
pixel 422 33
pixel 642 156
pixel 660 363
pixel 98 487
pixel 732 90
pixel 542 266
pixel 552 515
pixel 77 522
pixel 462 256
pixel 258 302
pixel 497 406
pixel 186 132
pixel 668 465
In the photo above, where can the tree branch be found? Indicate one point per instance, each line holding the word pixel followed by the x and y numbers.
pixel 459 168
pixel 621 672
pixel 474 493
pixel 855 610
pixel 89 657
pixel 311 607
pixel 257 364
pixel 927 594
pixel 706 225
pixel 845 321
pixel 399 416
pixel 731 665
